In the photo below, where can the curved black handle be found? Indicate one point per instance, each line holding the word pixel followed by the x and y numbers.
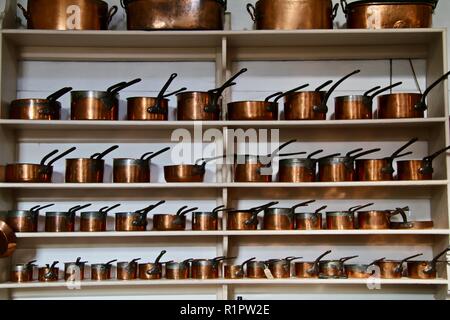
pixel 342 260
pixel 79 207
pixel 322 86
pixel 373 95
pixel 427 162
pixel 99 156
pixel 251 11
pixel 175 92
pixel 58 94
pixel 321 209
pixel 360 207
pixel 108 209
pixel 315 153
pixel 150 208
pixel 335 11
pixel 39 208
pixel 344 6
pixel 399 268
pixel 48 156
pixel 368 92
pixel 110 89
pixel 401 149
pixel 62 155
pixel 182 213
pixel 364 153
pixel 125 85
pixel 422 105
pixel 274 95
pixel 303 204
pixel 160 97
pixel 158 259
pixel 111 13
pixel 278 98
pixel 154 155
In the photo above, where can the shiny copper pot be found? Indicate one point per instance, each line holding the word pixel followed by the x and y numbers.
pixel 49 273
pixel 34 173
pixel 393 269
pixel 98 105
pixel 380 169
pixel 95 221
pixel 134 221
pixel 62 221
pixel 281 218
pixel 169 222
pixel 358 107
pixel 38 109
pixel 152 271
pixel 281 268
pixel 179 270
pixel 311 105
pixel 418 169
pixel 126 170
pixel 344 220
pixel 102 271
pixel 257 270
pixel 68 14
pixel 23 272
pixel 425 269
pixel 406 105
pixel 186 173
pixel 376 219
pixel 207 221
pixel 293 14
pixel 74 271
pixel 309 269
pixel 235 271
pixel 370 14
pixel 175 15
pixel 361 271
pixel 246 219
pixel 127 270
pixel 333 269
pixel 203 269
pixel 8 240
pixel 25 220
pixel 309 220
pixel 89 170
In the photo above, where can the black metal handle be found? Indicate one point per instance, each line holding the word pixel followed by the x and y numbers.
pixel 344 6
pixel 303 204
pixel 58 94
pixel 39 208
pixel 111 13
pixel 154 155
pixel 422 105
pixel 322 86
pixel 158 259
pixel 62 155
pixel 79 207
pixel 251 11
pixel 291 91
pixel 360 207
pixel 99 156
pixel 108 209
pixel 125 85
pixel 372 96
pixel 24 11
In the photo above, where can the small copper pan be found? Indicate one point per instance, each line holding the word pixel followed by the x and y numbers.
pixel 378 219
pixel 62 221
pixel 246 219
pixel 207 221
pixel 95 221
pixel 23 272
pixel 333 269
pixel 236 271
pixel 186 173
pixel 179 270
pixel 309 269
pixel 282 218
pixel 127 270
pixel 25 220
pixel 393 269
pixel 361 271
pixel 102 271
pixel 49 273
pixel 134 221
pixel 170 222
pixel 8 240
pixel 74 271
pixel 309 220
pixel 425 269
pixel 152 271
pixel 203 269
pixel 344 220
pixel 281 268
pixel 258 270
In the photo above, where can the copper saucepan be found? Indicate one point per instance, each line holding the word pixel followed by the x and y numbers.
pixel 231 271
pixel 152 270
pixel 200 105
pixel 258 270
pixel 98 105
pixel 377 219
pixel 22 272
pixel 34 173
pixel 333 269
pixel 134 221
pixel 425 269
pixel 246 219
pixel 68 14
pixel 311 105
pixel 8 240
pixel 62 221
pixel 38 109
pixel 87 170
pixel 49 273
pixel 95 221
pixel 282 218
pixel 170 222
pixel 361 271
pixel 186 173
pixel 203 269
pixel 358 107
pixel 152 108
pixel 25 220
pixel 380 169
pixel 412 225
pixel 309 269
pixel 393 269
pixel 128 270
pixel 281 268
pixel 102 271
pixel 74 271
pixel 344 220
pixel 127 170
pixel 207 221
pixel 178 270
pixel 309 220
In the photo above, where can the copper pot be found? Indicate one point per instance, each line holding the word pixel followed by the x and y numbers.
pixel 203 269
pixel 49 273
pixel 393 269
pixel 311 105
pixel 370 14
pixel 333 269
pixel 25 220
pixel 207 221
pixel 102 271
pixel 152 108
pixel 8 240
pixel 293 14
pixel 175 15
pixel 246 219
pixel 68 14
pixel 152 271
pixel 358 107
pixel 341 169
pixel 309 269
pixel 134 221
pixel 235 271
pixel 74 271
pixel 179 270
pixel 38 109
pixel 361 271
pixel 418 169
pixel 376 219
pixel 89 170
pixel 95 221
pixel 406 105
pixel 411 225
pixel 34 173
pixel 62 221
pixel 126 170
pixel 281 268
pixel 309 220
pixel 344 220
pixel 98 105
pixel 23 272
pixel 425 269
pixel 127 270
pixel 380 169
pixel 257 270
pixel 169 222
pixel 281 218
pixel 186 173
pixel 203 106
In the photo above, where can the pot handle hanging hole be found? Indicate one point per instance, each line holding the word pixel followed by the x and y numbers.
pixel 344 6
pixel 335 11
pixel 111 13
pixel 251 11
pixel 24 11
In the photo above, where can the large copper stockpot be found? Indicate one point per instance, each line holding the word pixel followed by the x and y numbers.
pixel 127 270
pixel 32 172
pixel 62 221
pixel 87 170
pixel 386 14
pixel 152 270
pixel 246 219
pixel 23 272
pixel 393 269
pixel 178 270
pixel 152 108
pixel 127 170
pixel 68 14
pixel 293 14
pixel 380 169
pixel 207 221
pixel 281 268
pixel 333 269
pixel 102 271
pixel 25 220
pixel 170 222
pixel 425 269
pixel 231 271
pixel 406 105
pixel 361 271
pixel 8 240
pixel 281 218
pixel 38 109
pixel 309 220
pixel 203 105
pixel 341 169
pixel 175 14
pixel 358 107
pixel 309 269
pixel 95 221
pixel 134 221
pixel 98 105
pixel 186 173
pixel 377 219
pixel 203 269
pixel 344 220
pixel 49 273
pixel 418 169
pixel 311 105
pixel 74 271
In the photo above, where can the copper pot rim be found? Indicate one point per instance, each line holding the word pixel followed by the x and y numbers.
pixel 298 93
pixel 85 160
pixel 93 94
pixel 152 98
pixel 256 102
pixel 352 98
pixel 389 2
pixel 59 213
pixel 303 162
pixel 129 161
pixel 400 94
pixel 27 164
pixel 127 2
pixel 410 161
pixel 339 213
pixel 370 160
pixel 192 93
pixel 21 213
pixel 186 166
pixel 34 100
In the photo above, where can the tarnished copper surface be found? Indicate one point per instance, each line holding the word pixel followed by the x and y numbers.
pixel 169 222
pixel 134 171
pixel 47 274
pixel 373 170
pixel 280 269
pixel 94 105
pixel 412 170
pixel 184 173
pixel 194 106
pixel 205 221
pixel 35 109
pixel 205 269
pixel 22 275
pixel 92 222
pixel 300 105
pixel 357 271
pixel 131 221
pixel 390 269
pixel 233 272
pixel 250 172
pixel 8 240
pixel 255 270
pixel 178 270
pixel 296 173
pixel 127 270
pixel 375 220
pixel 274 220
pixel 399 105
pixel 308 221
pixel 26 221
pixel 335 172
pixel 353 108
pixel 84 170
pixel 150 271
pixel 101 272
pixel 253 111
pixel 60 222
pixel 241 220
pixel 340 221
pixel 28 173
pixel 309 269
pixel 140 108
